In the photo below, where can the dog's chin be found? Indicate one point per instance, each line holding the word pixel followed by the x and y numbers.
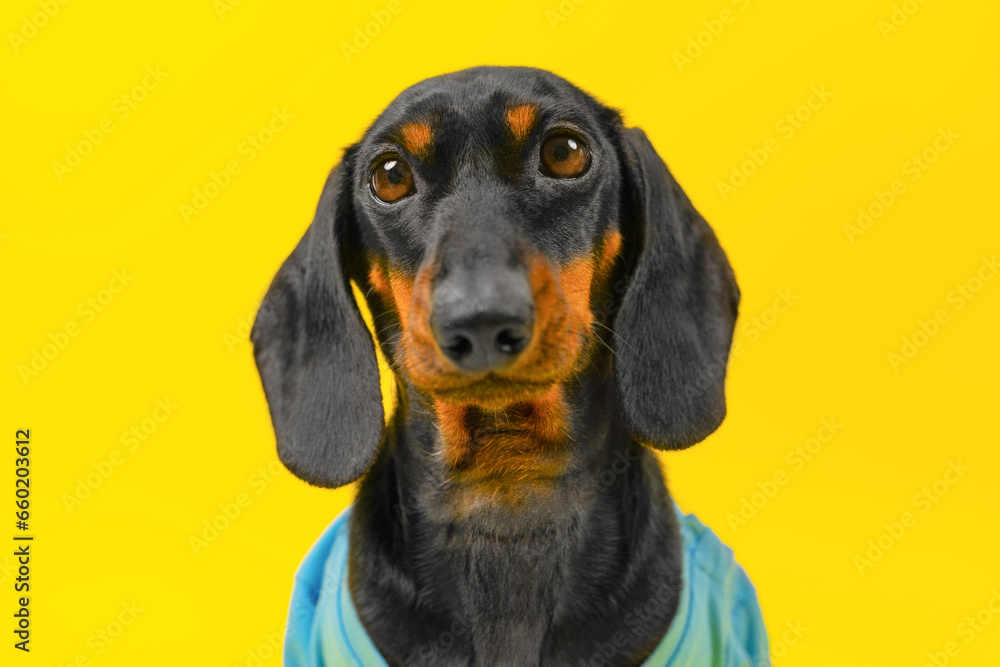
pixel 493 392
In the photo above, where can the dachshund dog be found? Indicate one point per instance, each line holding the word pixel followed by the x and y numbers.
pixel 552 307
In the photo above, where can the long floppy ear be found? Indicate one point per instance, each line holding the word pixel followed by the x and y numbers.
pixel 314 353
pixel 675 322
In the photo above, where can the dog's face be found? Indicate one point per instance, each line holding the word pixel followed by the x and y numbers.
pixel 488 205
pixel 504 226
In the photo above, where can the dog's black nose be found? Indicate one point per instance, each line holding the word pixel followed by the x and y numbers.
pixel 483 321
pixel 490 341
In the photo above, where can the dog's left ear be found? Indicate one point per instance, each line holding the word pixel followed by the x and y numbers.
pixel 675 322
pixel 315 355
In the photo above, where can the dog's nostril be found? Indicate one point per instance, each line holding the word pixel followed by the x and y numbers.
pixel 510 341
pixel 458 347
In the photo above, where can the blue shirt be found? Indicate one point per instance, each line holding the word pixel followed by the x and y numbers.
pixel 718 621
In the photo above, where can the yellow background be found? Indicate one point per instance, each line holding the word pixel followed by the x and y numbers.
pixel 178 329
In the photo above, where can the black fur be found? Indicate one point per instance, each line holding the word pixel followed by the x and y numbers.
pixel 308 333
pixel 591 559
pixel 676 319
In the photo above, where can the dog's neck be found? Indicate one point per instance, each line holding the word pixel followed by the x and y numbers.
pixel 540 535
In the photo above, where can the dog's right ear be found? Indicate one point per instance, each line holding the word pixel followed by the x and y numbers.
pixel 314 353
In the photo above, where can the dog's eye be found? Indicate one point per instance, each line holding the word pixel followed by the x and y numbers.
pixel 392 179
pixel 564 156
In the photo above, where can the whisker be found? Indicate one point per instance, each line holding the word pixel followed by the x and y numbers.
pixel 384 331
pixel 600 340
pixel 387 313
pixel 618 336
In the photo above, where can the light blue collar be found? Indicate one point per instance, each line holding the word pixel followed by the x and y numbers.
pixel 718 620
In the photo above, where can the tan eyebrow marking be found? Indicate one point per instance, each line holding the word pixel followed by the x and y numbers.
pixel 417 138
pixel 520 119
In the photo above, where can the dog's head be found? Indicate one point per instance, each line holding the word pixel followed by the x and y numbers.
pixel 504 227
